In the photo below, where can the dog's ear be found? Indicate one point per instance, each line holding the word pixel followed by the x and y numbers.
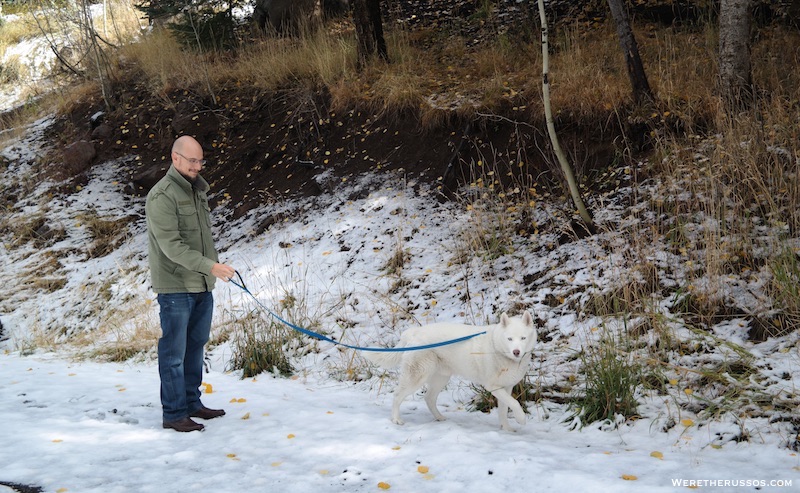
pixel 527 319
pixel 504 320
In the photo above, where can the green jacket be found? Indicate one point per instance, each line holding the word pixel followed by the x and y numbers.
pixel 181 250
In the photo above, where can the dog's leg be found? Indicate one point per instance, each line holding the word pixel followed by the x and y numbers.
pixel 505 401
pixel 412 376
pixel 436 383
pixel 502 413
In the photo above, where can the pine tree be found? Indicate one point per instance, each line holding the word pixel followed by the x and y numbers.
pixel 207 25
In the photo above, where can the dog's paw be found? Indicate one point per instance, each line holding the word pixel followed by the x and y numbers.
pixel 398 421
pixel 521 419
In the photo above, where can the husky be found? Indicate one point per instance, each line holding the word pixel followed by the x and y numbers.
pixel 496 360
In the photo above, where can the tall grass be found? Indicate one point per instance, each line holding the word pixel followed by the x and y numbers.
pixel 611 379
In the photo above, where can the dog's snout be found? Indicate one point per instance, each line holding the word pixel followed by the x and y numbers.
pixel 516 352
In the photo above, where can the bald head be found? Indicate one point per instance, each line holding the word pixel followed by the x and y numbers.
pixel 187 157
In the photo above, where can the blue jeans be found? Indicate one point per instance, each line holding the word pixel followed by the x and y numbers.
pixel 185 329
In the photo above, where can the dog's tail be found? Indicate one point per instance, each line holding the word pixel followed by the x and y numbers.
pixel 388 359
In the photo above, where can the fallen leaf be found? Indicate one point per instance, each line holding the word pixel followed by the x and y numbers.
pixel 657 455
pixel 383 486
pixel 422 469
pixel 246 416
pixel 629 477
pixel 687 422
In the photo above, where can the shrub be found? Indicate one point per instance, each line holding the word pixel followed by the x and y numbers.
pixel 612 378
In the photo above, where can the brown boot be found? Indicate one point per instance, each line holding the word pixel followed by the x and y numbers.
pixel 183 425
pixel 206 413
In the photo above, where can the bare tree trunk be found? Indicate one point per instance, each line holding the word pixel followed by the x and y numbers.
pixel 375 18
pixel 735 71
pixel 551 128
pixel 100 60
pixel 630 49
pixel 369 30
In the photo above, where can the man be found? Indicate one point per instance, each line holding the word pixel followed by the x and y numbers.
pixel 184 267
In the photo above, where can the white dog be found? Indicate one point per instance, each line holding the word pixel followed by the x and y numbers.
pixel 496 360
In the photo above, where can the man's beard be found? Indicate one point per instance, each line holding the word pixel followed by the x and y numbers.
pixel 189 178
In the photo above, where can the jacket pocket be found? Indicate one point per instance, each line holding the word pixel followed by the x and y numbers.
pixel 187 219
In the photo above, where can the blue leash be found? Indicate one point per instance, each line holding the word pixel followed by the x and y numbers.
pixel 241 285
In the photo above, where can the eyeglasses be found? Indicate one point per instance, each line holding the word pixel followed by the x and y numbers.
pixel 201 162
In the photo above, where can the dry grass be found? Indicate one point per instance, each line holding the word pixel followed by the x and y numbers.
pixel 12 32
pixel 124 335
pixel 748 170
pixel 162 62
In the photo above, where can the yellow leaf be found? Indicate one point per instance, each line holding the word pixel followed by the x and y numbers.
pixel 383 486
pixel 323 472
pixel 230 456
pixel 688 391
pixel 246 416
pixel 657 455
pixel 290 436
pixel 422 469
pixel 673 382
pixel 208 388
pixel 629 477
pixel 57 440
pixel 276 464
pixel 396 447
pixel 687 422
pixel 241 399
pixel 61 490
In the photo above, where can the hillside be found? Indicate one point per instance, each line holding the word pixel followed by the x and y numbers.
pixel 359 215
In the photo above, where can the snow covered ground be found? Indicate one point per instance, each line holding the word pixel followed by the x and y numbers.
pixel 71 424
pixel 95 427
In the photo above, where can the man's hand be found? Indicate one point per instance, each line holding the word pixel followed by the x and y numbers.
pixel 222 271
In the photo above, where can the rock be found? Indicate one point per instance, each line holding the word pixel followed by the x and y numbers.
pixel 78 156
pixel 102 132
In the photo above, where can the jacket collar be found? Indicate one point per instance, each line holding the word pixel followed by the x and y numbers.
pixel 200 184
